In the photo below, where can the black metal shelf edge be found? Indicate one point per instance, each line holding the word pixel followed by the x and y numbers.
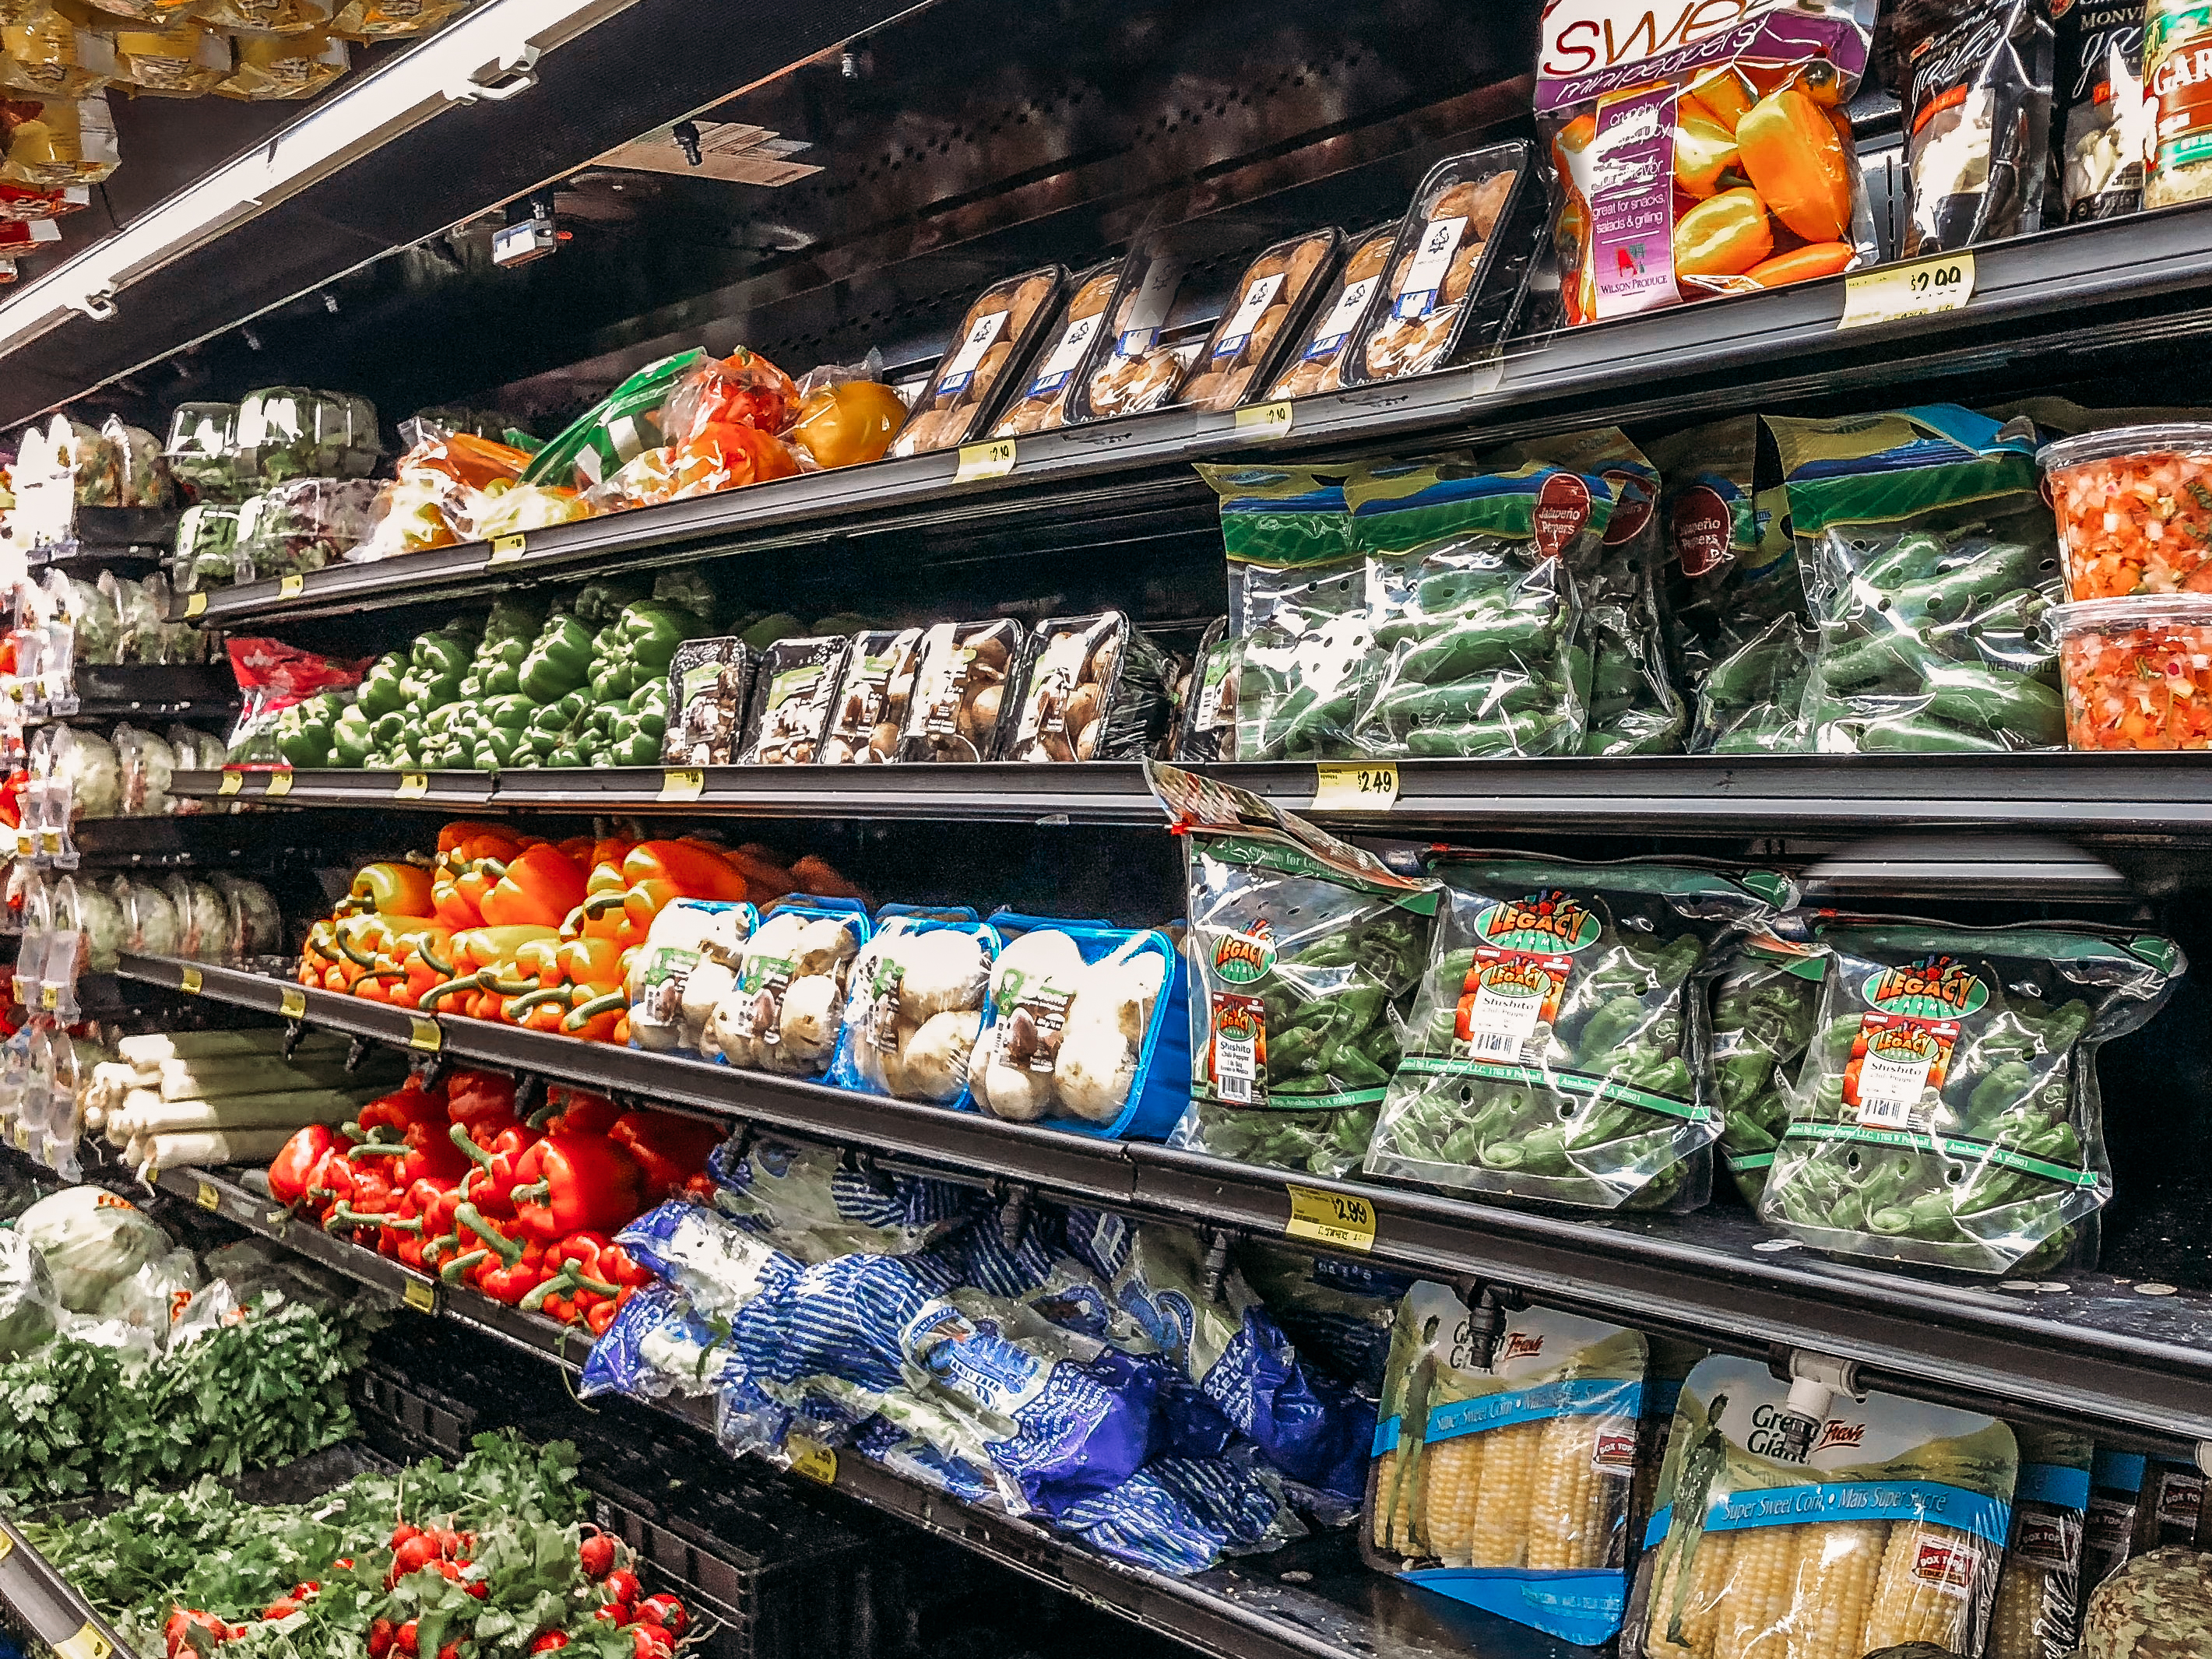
pixel 2101 1352
pixel 43 1600
pixel 2148 794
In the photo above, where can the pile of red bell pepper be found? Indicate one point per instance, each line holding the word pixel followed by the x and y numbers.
pixel 510 926
pixel 452 1180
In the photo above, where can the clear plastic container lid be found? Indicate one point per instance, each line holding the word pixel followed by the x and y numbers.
pixel 203 430
pixel 2169 611
pixel 295 432
pixel 2173 437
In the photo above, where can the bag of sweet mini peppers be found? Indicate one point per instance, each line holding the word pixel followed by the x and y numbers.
pixel 1503 1479
pixel 1720 162
pixel 1303 951
pixel 1946 1112
pixel 1558 1046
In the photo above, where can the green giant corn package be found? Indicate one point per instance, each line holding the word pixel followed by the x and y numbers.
pixel 1558 1048
pixel 1783 1528
pixel 1472 607
pixel 1502 1480
pixel 1947 1109
pixel 1303 950
pixel 1929 559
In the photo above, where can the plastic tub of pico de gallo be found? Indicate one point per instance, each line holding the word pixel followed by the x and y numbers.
pixel 2135 509
pixel 2137 672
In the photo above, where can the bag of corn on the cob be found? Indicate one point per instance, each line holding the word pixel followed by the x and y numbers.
pixel 1947 1110
pixel 1560 1046
pixel 1303 950
pixel 2040 1588
pixel 1876 1525
pixel 2111 1531
pixel 1505 1485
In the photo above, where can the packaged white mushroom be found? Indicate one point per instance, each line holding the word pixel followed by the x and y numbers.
pixel 913 1010
pixel 688 964
pixel 873 698
pixel 709 682
pixel 1068 1035
pixel 1250 340
pixel 1096 689
pixel 1319 365
pixel 997 334
pixel 788 1005
pixel 1043 402
pixel 960 705
pixel 794 695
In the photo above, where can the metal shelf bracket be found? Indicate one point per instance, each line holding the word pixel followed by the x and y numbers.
pixel 515 74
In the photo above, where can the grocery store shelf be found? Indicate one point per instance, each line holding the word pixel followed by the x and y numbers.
pixel 2096 1351
pixel 44 1603
pixel 2139 796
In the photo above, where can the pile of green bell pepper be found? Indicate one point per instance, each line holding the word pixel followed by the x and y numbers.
pixel 1764 1007
pixel 2003 1155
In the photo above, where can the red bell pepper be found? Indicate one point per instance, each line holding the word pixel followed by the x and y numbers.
pixel 482 1102
pixel 570 1184
pixel 402 1109
pixel 576 1112
pixel 670 1149
pixel 490 1184
pixel 296 1169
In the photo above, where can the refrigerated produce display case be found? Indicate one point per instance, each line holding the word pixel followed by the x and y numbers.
pixel 971 828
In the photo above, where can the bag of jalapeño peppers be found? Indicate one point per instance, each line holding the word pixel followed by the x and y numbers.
pixel 1559 1047
pixel 1946 1112
pixel 1303 952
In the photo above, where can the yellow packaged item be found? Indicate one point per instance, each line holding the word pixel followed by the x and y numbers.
pixel 392 20
pixel 54 142
pixel 285 66
pixel 44 52
pixel 188 61
pixel 266 16
pixel 162 14
pixel 1790 1521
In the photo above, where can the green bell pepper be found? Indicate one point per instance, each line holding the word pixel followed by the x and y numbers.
pixel 558 661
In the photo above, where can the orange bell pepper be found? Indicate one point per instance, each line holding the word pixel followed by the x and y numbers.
pixel 1723 236
pixel 1803 264
pixel 594 1018
pixel 655 872
pixel 540 885
pixel 1723 96
pixel 1703 150
pixel 454 907
pixel 461 829
pixel 490 947
pixel 1790 153
pixel 397 890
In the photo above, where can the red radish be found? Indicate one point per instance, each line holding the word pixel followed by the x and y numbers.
pixel 652 1642
pixel 416 1554
pixel 597 1553
pixel 615 1612
pixel 380 1638
pixel 283 1609
pixel 403 1638
pixel 450 1650
pixel 622 1585
pixel 552 1641
pixel 666 1612
pixel 402 1533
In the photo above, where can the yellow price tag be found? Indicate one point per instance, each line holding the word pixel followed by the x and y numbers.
pixel 49 842
pixel 1264 422
pixel 1355 787
pixel 190 982
pixel 991 460
pixel 1335 1218
pixel 291 584
pixel 413 786
pixel 423 1033
pixel 420 1294
pixel 22 1136
pixel 687 785
pixel 280 784
pixel 1920 289
pixel 811 1459
pixel 207 1198
pixel 505 550
pixel 233 782
pixel 293 1003
pixel 195 604
pixel 86 1643
pixel 49 998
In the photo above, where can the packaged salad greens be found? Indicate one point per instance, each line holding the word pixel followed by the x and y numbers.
pixel 1559 1047
pixel 1502 1480
pixel 1789 1524
pixel 1765 1000
pixel 1633 708
pixel 1946 1112
pixel 1297 609
pixel 202 450
pixel 1471 601
pixel 207 546
pixel 308 523
pixel 288 432
pixel 1303 950
pixel 1929 562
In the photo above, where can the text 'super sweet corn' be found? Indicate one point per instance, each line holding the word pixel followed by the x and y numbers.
pixel 1505 1485
pixel 1780 1536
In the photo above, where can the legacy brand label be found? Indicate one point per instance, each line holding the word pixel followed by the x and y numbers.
pixel 1520 973
pixel 1243 958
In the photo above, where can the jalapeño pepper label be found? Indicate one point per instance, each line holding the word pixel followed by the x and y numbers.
pixel 1245 958
pixel 1520 975
pixel 1239 1057
pixel 1905 1044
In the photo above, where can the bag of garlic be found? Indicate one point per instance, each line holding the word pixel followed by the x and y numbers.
pixel 784 1006
pixel 1088 1029
pixel 913 1007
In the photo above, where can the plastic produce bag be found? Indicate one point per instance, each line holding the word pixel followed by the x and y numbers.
pixel 1317 364
pixel 1559 1047
pixel 1633 708
pixel 996 337
pixel 1722 163
pixel 2039 1593
pixel 1255 337
pixel 92 1241
pixel 718 1264
pixel 1297 609
pixel 786 1009
pixel 1474 608
pixel 1910 1504
pixel 272 677
pixel 30 1309
pixel 392 20
pixel 656 1346
pixel 1096 689
pixel 1180 1515
pixel 187 61
pixel 1303 950
pixel 1766 1002
pixel 811 1203
pixel 1518 1468
pixel 1946 1112
pixel 873 696
pixel 1043 401
pixel 794 694
pixel 1457 268
pixel 915 1003
pixel 50 143
pixel 846 416
pixel 1929 562
pixel 298 65
pixel 2103 120
pixel 619 427
pixel 1977 96
pixel 960 709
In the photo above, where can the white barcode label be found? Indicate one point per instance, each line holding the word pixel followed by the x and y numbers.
pixel 1065 355
pixel 1416 294
pixel 1235 1067
pixel 962 368
pixel 1342 318
pixel 1257 299
pixel 1501 1021
pixel 1889 1090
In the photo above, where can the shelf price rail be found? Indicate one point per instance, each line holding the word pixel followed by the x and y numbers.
pixel 2101 1352
pixel 43 1603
